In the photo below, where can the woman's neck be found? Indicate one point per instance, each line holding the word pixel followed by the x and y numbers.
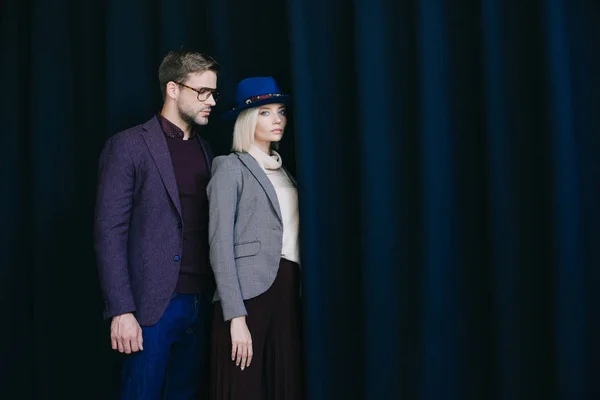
pixel 264 146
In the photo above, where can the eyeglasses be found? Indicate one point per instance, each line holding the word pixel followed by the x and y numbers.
pixel 203 93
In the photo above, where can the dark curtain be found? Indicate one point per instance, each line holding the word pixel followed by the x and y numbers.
pixel 447 157
pixel 449 169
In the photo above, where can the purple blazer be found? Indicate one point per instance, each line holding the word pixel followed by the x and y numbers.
pixel 137 229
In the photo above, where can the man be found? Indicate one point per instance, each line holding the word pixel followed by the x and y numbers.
pixel 151 237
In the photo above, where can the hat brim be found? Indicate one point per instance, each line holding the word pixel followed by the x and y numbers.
pixel 233 114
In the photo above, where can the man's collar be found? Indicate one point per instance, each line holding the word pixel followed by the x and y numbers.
pixel 172 130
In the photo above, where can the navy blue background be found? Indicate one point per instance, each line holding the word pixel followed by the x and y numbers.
pixel 447 157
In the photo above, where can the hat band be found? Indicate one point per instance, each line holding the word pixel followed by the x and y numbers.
pixel 252 99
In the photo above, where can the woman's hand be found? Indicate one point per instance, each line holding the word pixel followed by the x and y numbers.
pixel 241 342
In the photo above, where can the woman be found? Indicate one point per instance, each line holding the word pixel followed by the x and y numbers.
pixel 254 253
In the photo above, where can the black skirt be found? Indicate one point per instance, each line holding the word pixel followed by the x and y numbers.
pixel 274 321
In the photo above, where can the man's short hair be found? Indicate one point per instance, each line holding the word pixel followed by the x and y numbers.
pixel 178 64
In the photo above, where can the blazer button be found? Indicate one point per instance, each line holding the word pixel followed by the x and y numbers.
pixel 176 258
pixel 179 225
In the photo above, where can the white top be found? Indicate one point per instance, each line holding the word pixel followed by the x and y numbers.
pixel 287 196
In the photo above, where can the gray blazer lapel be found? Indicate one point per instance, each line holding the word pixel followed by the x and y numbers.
pixel 157 144
pixel 263 179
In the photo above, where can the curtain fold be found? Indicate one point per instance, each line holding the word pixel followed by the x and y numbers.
pixel 475 124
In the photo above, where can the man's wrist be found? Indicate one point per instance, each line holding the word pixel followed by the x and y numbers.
pixel 122 315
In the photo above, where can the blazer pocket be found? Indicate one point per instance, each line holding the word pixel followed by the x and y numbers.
pixel 246 249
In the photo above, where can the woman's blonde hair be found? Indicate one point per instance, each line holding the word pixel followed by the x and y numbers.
pixel 243 131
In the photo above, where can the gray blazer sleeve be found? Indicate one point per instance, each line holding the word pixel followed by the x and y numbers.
pixel 223 198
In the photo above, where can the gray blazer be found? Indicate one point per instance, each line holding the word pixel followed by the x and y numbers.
pixel 245 231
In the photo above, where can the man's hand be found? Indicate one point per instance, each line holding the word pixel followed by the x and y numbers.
pixel 126 334
pixel 241 343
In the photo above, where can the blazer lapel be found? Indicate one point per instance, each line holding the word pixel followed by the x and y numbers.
pixel 207 153
pixel 262 178
pixel 157 144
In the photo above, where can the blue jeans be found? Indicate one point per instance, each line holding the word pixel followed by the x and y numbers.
pixel 174 362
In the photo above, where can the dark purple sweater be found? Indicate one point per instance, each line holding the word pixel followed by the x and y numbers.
pixel 192 175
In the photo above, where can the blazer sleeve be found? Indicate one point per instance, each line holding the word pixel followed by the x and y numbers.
pixel 114 200
pixel 222 193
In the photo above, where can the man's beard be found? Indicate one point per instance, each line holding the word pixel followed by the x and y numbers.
pixel 186 117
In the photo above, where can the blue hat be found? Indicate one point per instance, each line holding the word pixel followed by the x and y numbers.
pixel 255 92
